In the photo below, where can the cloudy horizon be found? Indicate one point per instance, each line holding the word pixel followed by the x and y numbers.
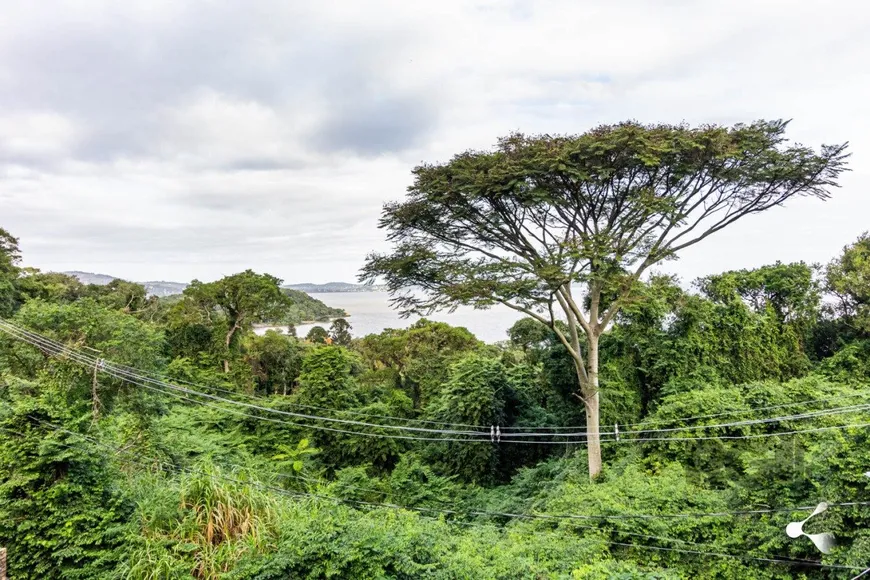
pixel 178 140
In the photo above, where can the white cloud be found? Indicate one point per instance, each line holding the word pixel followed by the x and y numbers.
pixel 181 139
pixel 35 135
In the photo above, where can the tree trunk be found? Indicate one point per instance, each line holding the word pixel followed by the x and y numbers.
pixel 229 339
pixel 591 400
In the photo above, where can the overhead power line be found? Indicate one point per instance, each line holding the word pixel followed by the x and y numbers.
pixel 297 495
pixel 136 377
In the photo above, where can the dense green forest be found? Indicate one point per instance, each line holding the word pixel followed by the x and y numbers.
pixel 164 439
pixel 143 481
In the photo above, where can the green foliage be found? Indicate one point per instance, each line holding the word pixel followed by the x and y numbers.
pixel 719 459
pixel 476 393
pixel 305 308
pixel 339 332
pixel 669 340
pixel 850 364
pixel 168 487
pixel 294 457
pixel 848 278
pixel 530 335
pixel 317 335
pixel 194 331
pixel 61 512
pixel 276 361
pixel 788 289
pixel 110 334
pixel 420 355
pixel 10 256
pixel 327 378
pixel 121 295
pixel 49 286
pixel 243 299
pixel 212 519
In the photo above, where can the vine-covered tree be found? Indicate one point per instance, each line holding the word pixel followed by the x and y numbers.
pixel 59 506
pixel 541 218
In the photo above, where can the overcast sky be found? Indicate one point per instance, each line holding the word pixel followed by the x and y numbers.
pixel 179 139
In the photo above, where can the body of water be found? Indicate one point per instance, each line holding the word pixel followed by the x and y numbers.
pixel 370 313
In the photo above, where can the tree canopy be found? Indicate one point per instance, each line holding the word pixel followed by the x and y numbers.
pixel 848 278
pixel 244 299
pixel 339 332
pixel 539 217
pixel 9 259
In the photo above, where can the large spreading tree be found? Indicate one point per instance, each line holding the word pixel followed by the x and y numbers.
pixel 244 299
pixel 564 227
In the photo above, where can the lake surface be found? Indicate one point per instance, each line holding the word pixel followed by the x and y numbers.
pixel 370 313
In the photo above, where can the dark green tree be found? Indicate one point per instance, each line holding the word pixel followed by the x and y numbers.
pixel 530 335
pixel 339 332
pixel 317 335
pixel 419 355
pixel 541 218
pixel 789 290
pixel 670 340
pixel 276 361
pixel 848 279
pixel 9 259
pixel 49 286
pixel 104 333
pixel 118 294
pixel 475 394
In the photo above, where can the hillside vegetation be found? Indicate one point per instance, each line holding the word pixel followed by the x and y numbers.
pixel 128 476
pixel 630 427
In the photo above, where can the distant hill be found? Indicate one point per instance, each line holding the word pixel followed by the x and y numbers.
pixel 304 308
pixel 334 287
pixel 154 288
pixel 163 288
pixel 90 277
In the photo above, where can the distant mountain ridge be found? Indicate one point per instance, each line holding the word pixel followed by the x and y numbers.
pixel 163 288
pixel 153 287
pixel 335 287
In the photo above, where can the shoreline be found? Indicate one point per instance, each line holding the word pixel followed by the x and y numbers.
pixel 304 322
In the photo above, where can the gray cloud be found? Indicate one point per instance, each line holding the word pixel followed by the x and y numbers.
pixel 376 124
pixel 173 139
pixel 116 76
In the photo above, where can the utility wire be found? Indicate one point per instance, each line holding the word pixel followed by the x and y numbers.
pixel 511 515
pixel 111 369
pixel 714 415
pixel 164 377
pixel 140 380
pixel 255 483
pixel 481 430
